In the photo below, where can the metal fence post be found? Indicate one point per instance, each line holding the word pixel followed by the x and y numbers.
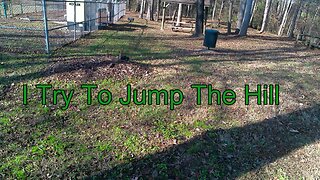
pixel 35 6
pixel 4 6
pixel 21 8
pixel 74 20
pixel 90 20
pixel 11 11
pixel 45 22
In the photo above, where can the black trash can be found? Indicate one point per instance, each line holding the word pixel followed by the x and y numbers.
pixel 210 38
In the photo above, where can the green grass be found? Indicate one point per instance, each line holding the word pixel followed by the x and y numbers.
pixel 44 141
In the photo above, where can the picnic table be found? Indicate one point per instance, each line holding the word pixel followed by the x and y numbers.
pixel 183 26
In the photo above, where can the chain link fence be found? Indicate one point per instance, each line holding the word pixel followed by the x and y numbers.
pixel 45 25
pixel 11 8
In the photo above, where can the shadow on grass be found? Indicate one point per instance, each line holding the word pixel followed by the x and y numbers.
pixel 125 27
pixel 227 153
pixel 136 52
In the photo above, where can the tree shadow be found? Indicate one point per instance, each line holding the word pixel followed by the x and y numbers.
pixel 86 64
pixel 270 38
pixel 126 27
pixel 227 153
pixel 218 55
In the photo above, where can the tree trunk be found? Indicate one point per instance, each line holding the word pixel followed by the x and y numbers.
pixel 206 11
pixel 158 9
pixel 141 9
pixel 199 18
pixel 214 10
pixel 129 5
pixel 150 10
pixel 253 11
pixel 179 18
pixel 266 15
pixel 312 21
pixel 220 12
pixel 188 11
pixel 138 6
pixel 303 28
pixel 278 7
pixel 294 20
pixel 246 19
pixel 284 4
pixel 163 15
pixel 285 18
pixel 230 16
pixel 174 14
pixel 242 7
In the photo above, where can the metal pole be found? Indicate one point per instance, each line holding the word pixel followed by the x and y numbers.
pixel 35 6
pixel 82 23
pixel 21 8
pixel 45 22
pixel 11 12
pixel 74 20
pixel 90 20
pixel 110 12
pixel 4 6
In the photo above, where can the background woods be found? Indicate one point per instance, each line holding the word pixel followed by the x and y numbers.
pixel 282 17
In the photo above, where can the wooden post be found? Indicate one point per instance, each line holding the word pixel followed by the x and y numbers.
pixel 163 15
pixel 179 14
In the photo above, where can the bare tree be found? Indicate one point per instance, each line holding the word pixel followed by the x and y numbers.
pixel 129 5
pixel 138 6
pixel 253 11
pixel 150 10
pixel 214 10
pixel 179 14
pixel 285 18
pixel 307 11
pixel 266 15
pixel 220 12
pixel 199 18
pixel 312 21
pixel 142 8
pixel 246 18
pixel 188 10
pixel 294 19
pixel 173 17
pixel 242 7
pixel 230 16
pixel 163 14
pixel 158 9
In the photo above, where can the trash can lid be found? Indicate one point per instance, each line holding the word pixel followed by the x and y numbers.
pixel 212 31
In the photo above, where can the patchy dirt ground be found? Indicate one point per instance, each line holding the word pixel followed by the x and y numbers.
pixel 193 141
pixel 95 68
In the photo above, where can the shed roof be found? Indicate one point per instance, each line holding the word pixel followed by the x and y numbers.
pixel 206 2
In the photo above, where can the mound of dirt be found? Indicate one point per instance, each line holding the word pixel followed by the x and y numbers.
pixel 95 68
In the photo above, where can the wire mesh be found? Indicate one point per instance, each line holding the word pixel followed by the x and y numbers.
pixel 23 22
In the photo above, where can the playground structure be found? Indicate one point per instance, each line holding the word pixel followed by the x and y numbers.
pixel 178 25
pixel 45 25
